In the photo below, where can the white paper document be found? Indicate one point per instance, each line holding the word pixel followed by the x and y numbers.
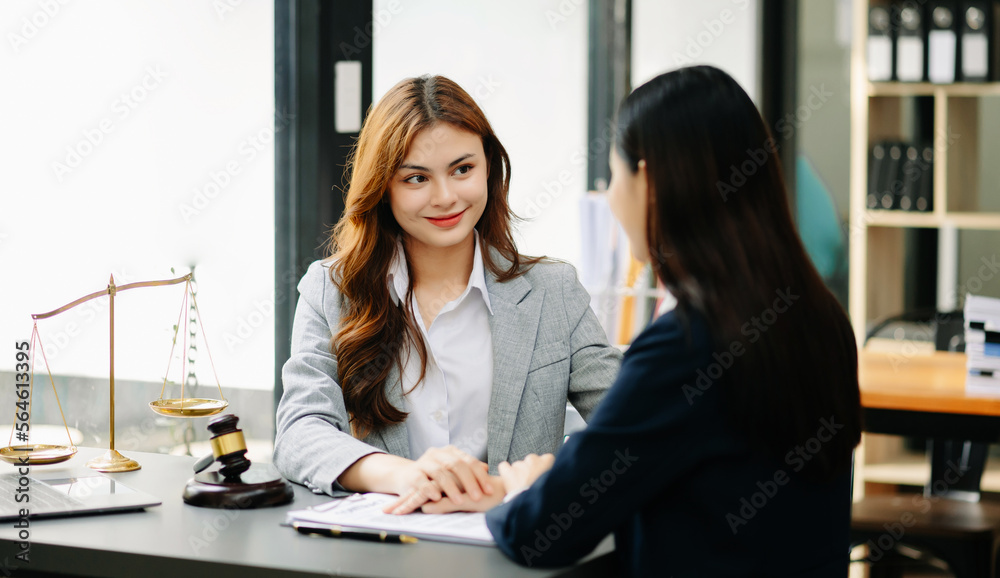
pixel 364 511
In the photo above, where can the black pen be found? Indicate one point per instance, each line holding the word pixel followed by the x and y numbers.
pixel 338 532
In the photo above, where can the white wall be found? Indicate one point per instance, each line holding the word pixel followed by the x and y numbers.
pixel 525 63
pixel 118 117
pixel 669 34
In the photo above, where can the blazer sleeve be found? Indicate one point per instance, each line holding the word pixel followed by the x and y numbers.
pixel 594 363
pixel 313 444
pixel 636 443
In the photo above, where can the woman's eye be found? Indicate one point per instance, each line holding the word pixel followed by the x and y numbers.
pixel 415 179
pixel 463 170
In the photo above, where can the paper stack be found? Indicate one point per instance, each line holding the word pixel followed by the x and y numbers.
pixel 364 512
pixel 982 344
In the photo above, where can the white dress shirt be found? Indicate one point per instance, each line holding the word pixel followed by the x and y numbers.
pixel 450 405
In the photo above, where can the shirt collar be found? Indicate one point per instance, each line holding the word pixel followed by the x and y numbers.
pixel 399 275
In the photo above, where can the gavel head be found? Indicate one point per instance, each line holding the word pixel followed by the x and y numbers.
pixel 228 445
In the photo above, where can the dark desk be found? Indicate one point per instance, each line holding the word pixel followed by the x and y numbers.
pixel 177 540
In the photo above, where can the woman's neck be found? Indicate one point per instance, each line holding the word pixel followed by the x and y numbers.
pixel 439 267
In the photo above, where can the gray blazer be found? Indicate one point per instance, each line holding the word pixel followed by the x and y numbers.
pixel 548 347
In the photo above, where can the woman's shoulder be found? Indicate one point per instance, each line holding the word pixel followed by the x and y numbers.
pixel 682 331
pixel 550 271
pixel 317 282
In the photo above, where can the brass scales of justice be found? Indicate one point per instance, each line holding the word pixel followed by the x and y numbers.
pixel 112 460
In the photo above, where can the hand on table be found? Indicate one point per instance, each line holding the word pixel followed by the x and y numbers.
pixel 446 505
pixel 522 473
pixel 441 472
pixel 513 478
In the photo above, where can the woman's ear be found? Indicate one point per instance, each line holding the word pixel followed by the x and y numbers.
pixel 642 182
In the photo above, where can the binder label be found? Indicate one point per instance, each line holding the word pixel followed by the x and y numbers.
pixel 879 58
pixel 941 47
pixel 910 59
pixel 975 62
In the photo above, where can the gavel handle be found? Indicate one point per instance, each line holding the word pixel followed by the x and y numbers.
pixel 203 463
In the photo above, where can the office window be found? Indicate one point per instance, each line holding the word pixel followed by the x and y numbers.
pixel 139 138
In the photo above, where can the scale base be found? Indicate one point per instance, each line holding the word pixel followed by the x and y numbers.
pixel 112 461
pixel 259 487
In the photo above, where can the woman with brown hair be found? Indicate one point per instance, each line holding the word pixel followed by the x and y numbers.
pixel 426 350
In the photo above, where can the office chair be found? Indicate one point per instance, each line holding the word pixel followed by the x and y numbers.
pixel 947 522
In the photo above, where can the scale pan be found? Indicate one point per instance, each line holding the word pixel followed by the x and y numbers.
pixel 188 406
pixel 37 454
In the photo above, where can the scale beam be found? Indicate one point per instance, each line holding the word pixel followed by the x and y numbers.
pixel 108 291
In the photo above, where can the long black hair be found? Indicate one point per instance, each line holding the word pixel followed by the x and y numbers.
pixel 722 240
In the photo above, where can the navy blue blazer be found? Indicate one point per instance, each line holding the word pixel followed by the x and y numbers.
pixel 682 492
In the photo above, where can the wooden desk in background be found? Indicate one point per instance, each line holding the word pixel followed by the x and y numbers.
pixel 924 396
pixel 934 382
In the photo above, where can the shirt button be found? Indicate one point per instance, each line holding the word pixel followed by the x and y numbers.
pixel 438 415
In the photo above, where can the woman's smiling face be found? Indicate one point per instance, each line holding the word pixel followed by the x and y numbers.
pixel 440 192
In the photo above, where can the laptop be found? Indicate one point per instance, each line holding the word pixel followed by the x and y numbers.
pixel 67 492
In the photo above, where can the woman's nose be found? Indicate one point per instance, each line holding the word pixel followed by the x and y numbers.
pixel 442 194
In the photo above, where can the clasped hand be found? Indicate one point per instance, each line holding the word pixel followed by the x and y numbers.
pixel 447 480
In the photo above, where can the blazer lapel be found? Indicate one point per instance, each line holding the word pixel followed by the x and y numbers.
pixel 513 326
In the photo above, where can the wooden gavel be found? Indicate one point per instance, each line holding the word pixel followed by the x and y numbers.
pixel 228 447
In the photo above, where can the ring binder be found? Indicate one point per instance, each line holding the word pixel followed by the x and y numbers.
pixel 875 174
pixel 880 45
pixel 978 43
pixel 942 43
pixel 910 45
pixel 925 188
pixel 891 183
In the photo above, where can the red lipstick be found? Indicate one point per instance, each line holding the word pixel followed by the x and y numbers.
pixel 446 221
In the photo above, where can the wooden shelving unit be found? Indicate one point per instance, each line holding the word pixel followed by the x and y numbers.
pixel 877 237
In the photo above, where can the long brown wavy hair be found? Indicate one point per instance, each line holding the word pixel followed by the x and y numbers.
pixel 373 330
